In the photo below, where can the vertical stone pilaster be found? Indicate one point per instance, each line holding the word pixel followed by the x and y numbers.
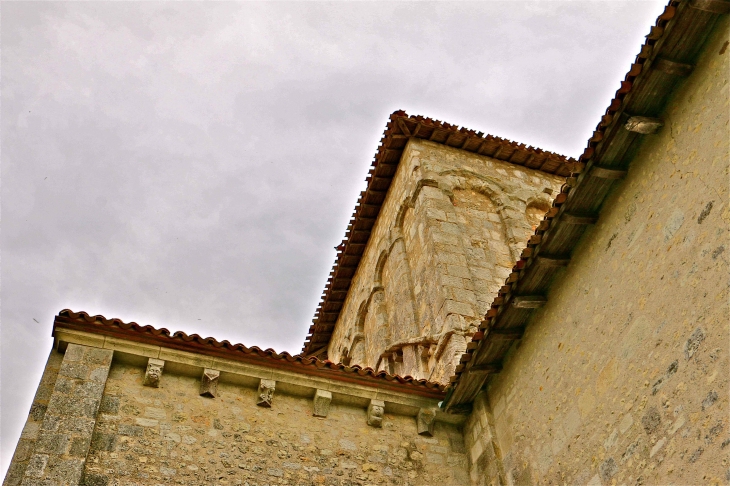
pixel 29 436
pixel 68 423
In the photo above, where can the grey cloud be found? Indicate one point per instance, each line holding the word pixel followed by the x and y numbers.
pixel 192 165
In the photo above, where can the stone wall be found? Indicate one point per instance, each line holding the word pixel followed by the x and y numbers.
pixel 622 378
pixel 451 227
pixel 29 435
pixel 58 432
pixel 173 435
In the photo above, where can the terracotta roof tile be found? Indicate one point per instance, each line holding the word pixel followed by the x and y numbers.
pixel 81 321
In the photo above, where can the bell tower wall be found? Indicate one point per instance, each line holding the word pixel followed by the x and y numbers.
pixel 447 236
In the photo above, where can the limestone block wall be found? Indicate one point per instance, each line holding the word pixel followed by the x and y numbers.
pixel 622 378
pixel 29 435
pixel 173 435
pixel 483 450
pixel 451 227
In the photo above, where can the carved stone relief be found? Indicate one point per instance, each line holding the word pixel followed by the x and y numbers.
pixel 376 408
pixel 266 393
pixel 153 373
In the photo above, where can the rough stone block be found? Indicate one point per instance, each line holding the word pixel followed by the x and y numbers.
pixel 79 446
pixel 100 374
pixel 131 430
pixel 74 352
pixel 36 466
pixel 154 372
pixel 322 401
pixel 74 370
pixel 103 441
pixel 266 393
pixel 97 356
pixel 95 479
pixel 109 404
pixel 376 408
pixel 37 411
pixel 425 420
pixel 50 443
pixel 209 383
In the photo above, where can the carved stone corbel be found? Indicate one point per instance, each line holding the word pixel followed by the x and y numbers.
pixel 375 413
pixel 322 401
pixel 209 383
pixel 266 393
pixel 153 373
pixel 426 418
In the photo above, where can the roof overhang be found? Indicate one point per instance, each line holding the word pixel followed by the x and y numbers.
pixel 668 55
pixel 113 333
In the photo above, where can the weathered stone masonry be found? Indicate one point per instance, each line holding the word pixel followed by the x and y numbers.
pixel 29 436
pixel 623 375
pixel 64 436
pixel 452 225
pixel 172 417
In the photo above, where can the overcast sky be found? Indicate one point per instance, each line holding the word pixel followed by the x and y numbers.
pixel 193 165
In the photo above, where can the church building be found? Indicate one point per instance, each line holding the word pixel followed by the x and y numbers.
pixel 496 315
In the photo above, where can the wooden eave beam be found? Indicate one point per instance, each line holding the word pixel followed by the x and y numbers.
pixel 528 301
pixel 485 368
pixel 508 334
pixel 579 219
pixel 672 67
pixel 712 6
pixel 403 127
pixel 607 173
pixel 553 260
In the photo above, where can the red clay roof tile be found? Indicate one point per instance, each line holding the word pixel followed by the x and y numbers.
pixel 81 321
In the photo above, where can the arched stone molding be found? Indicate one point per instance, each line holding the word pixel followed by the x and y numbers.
pixel 535 210
pixel 378 275
pixel 376 328
pixel 357 350
pixel 398 293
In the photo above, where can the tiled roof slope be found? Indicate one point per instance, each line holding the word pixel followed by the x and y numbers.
pixel 131 331
pixel 669 53
pixel 399 129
